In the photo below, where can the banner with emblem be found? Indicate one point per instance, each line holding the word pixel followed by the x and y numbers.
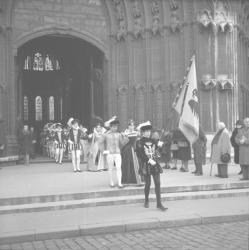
pixel 187 104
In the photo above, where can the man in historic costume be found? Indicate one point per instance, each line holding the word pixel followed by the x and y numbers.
pixel 74 144
pixel 199 148
pixel 96 158
pixel 113 141
pixel 242 139
pixel 146 151
pixel 84 143
pixel 60 143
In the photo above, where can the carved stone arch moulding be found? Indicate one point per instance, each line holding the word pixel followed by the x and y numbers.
pixel 121 19
pixel 51 30
pixel 216 20
pixel 207 82
pixel 138 19
pixel 224 82
pixel 156 26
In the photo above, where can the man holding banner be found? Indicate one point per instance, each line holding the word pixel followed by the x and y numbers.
pixel 187 106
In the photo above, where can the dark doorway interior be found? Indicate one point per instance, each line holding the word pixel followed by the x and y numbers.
pixel 55 80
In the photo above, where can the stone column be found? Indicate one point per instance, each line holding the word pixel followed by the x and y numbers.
pixel 139 93
pixel 122 93
pixel 157 92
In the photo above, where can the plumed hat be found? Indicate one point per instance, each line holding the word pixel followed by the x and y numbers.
pixel 69 122
pixel 75 121
pixel 114 123
pixel 144 126
pixel 108 123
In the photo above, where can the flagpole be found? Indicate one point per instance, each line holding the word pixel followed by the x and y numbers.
pixel 186 90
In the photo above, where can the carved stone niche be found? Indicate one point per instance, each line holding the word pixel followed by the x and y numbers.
pixel 219 21
pixel 174 85
pixel 121 20
pixel 224 83
pixel 207 82
pixel 155 11
pixel 175 23
pixel 138 29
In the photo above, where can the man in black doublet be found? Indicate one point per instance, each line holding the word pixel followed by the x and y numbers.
pixel 146 150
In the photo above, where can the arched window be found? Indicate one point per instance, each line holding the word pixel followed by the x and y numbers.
pixel 38 108
pixel 39 62
pixel 48 64
pixel 27 63
pixel 51 108
pixel 25 108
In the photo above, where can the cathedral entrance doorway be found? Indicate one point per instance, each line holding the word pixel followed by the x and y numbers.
pixel 57 81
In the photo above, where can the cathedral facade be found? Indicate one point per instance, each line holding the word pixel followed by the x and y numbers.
pixel 99 58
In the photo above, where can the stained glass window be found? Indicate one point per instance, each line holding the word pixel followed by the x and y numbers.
pixel 39 62
pixel 25 108
pixel 38 108
pixel 51 108
pixel 48 64
pixel 27 63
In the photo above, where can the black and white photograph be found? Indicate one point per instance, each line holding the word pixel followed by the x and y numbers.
pixel 124 124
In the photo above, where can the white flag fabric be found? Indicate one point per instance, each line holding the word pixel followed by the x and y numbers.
pixel 187 105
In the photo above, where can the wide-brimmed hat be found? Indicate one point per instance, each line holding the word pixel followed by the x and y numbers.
pixel 114 122
pixel 58 125
pixel 145 126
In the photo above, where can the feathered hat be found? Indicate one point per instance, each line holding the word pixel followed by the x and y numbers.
pixel 111 122
pixel 144 126
pixel 69 122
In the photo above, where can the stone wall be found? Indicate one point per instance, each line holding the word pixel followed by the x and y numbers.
pixel 147 46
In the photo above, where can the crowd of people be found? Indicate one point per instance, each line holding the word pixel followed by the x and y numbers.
pixel 139 152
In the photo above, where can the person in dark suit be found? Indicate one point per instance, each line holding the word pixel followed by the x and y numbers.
pixel 199 148
pixel 146 150
pixel 238 125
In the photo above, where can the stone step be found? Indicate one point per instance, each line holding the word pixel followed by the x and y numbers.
pixel 128 191
pixel 119 200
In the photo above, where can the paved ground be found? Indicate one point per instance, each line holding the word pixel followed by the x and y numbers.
pixel 50 178
pixel 227 236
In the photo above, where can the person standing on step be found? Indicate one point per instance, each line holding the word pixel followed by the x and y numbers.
pixel 146 151
pixel 113 141
pixel 183 152
pixel 239 124
pixel 199 148
pixel 75 145
pixel 130 165
pixel 242 139
pixel 220 145
pixel 26 143
pixel 60 144
pixel 96 159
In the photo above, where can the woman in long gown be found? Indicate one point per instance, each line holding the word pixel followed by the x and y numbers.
pixel 130 165
pixel 96 159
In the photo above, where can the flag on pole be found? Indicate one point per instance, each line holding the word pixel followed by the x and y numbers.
pixel 187 104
